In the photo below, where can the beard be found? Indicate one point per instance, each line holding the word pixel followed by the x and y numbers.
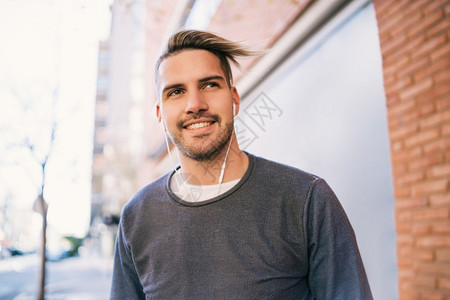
pixel 201 150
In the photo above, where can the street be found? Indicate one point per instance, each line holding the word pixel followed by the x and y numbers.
pixel 83 277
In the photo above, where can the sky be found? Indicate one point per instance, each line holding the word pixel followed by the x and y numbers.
pixel 48 69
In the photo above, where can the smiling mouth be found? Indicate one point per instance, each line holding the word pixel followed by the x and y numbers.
pixel 199 125
pixel 198 121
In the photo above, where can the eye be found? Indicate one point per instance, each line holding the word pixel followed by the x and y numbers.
pixel 210 85
pixel 174 93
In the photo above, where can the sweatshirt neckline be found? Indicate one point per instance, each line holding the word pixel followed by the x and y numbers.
pixel 178 200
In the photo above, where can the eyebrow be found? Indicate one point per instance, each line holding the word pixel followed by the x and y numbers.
pixel 214 77
pixel 202 80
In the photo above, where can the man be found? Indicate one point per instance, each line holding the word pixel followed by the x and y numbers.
pixel 256 229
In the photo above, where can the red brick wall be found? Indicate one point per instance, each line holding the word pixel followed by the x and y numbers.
pixel 415 46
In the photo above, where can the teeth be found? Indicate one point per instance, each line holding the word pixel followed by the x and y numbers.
pixel 198 125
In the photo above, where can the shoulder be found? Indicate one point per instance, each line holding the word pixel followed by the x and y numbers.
pixel 286 182
pixel 275 171
pixel 145 198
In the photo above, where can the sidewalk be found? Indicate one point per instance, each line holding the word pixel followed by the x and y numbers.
pixel 84 277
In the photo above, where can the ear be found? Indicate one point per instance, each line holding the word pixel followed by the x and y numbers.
pixel 236 99
pixel 158 111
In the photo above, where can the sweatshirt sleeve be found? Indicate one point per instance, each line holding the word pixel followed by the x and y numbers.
pixel 336 270
pixel 125 280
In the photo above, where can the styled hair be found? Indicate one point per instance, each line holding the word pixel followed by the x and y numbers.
pixel 223 49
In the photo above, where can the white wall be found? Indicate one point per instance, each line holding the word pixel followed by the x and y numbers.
pixel 324 111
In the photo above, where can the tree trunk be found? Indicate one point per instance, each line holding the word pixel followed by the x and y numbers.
pixel 41 295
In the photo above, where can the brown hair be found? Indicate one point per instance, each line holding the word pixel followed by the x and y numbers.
pixel 224 49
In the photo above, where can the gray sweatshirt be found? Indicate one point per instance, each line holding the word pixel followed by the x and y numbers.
pixel 280 233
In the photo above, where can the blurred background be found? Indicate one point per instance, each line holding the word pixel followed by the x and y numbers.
pixel 353 91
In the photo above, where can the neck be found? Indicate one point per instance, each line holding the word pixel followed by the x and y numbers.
pixel 208 172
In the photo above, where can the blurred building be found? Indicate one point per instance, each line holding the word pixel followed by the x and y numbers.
pixel 118 143
pixel 354 91
pixel 118 119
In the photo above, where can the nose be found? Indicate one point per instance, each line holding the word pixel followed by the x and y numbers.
pixel 195 102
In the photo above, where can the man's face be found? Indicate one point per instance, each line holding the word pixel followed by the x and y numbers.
pixel 195 103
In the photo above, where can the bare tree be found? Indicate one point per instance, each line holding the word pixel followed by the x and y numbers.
pixel 39 151
pixel 41 206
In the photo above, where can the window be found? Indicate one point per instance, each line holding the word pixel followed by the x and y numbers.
pixel 201 13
